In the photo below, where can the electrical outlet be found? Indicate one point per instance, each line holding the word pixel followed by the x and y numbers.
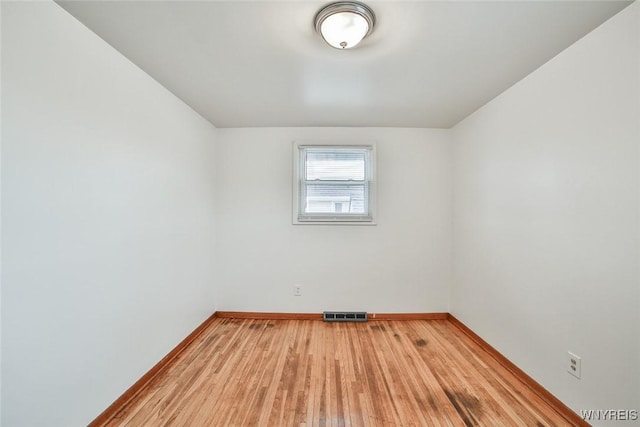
pixel 297 290
pixel 574 364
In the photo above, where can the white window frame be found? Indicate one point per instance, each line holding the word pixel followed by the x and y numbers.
pixel 300 218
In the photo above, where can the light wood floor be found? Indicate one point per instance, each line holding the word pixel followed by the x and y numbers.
pixel 311 373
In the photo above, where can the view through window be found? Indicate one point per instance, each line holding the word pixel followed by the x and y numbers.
pixel 335 183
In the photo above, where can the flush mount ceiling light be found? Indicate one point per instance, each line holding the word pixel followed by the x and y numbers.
pixel 345 23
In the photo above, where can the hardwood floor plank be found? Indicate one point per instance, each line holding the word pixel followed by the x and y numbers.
pixel 272 372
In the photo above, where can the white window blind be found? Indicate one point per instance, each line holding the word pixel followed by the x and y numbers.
pixel 334 183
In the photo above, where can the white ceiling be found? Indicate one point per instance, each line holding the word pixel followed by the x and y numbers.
pixel 260 63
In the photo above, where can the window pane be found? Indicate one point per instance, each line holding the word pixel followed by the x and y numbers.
pixel 331 164
pixel 335 198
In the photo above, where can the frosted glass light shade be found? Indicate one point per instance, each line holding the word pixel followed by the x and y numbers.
pixel 344 24
pixel 344 30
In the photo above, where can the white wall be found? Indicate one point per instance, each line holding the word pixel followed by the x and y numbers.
pixel 107 219
pixel 1 220
pixel 400 265
pixel 546 219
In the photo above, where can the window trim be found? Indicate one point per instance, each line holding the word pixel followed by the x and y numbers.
pixel 330 219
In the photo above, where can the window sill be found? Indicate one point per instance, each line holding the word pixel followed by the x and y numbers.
pixel 333 221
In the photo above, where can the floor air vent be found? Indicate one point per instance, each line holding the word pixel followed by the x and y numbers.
pixel 344 316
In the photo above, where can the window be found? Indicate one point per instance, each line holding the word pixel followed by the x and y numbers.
pixel 334 184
